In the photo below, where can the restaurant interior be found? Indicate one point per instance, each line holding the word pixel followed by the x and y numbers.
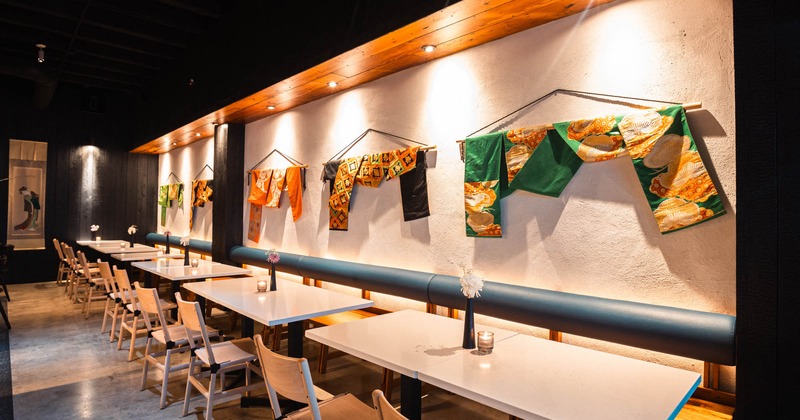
pixel 154 268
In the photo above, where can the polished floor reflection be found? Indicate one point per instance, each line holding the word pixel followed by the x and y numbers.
pixel 63 367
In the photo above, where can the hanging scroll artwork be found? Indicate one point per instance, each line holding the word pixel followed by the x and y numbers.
pixel 674 179
pixel 27 174
pixel 202 191
pixel 370 170
pixel 266 186
pixel 167 194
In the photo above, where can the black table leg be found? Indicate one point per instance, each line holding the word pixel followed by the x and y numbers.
pixel 295 339
pixel 176 287
pixel 410 397
pixel 248 328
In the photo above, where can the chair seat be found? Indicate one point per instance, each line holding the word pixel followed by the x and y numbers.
pixel 230 352
pixel 342 406
pixel 177 333
pixel 165 304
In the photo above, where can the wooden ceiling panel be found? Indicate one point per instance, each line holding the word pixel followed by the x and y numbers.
pixel 463 25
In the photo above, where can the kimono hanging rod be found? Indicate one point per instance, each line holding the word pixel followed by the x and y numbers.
pixel 201 171
pixel 593 96
pixel 291 160
pixel 350 145
pixel 172 174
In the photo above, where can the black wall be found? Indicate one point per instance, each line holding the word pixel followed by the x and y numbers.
pixel 125 188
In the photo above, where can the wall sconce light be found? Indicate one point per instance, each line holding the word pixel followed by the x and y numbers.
pixel 40 56
pixel 428 48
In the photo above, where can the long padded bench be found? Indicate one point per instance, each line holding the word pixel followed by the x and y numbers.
pixel 705 336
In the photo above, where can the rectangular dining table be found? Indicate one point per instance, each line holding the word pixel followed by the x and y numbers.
pixel 292 303
pixel 406 342
pixel 525 376
pixel 105 248
pixel 177 272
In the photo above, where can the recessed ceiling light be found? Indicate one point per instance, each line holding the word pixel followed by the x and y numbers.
pixel 197 134
pixel 428 48
pixel 271 107
pixel 332 84
pixel 174 143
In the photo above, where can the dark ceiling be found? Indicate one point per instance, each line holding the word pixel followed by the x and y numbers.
pixel 118 45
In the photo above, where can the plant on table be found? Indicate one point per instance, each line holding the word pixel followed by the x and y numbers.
pixel 471 287
pixel 273 257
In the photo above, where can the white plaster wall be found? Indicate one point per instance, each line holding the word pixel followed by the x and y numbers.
pixel 186 162
pixel 598 238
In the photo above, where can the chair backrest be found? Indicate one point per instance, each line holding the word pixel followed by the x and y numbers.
pixel 84 264
pixel 383 408
pixel 58 248
pixel 150 304
pixel 288 376
pixel 192 318
pixel 124 284
pixel 108 277
pixel 70 255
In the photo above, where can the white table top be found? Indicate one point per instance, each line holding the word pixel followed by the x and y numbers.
pixel 406 341
pixel 145 256
pixel 291 302
pixel 175 270
pixel 535 378
pixel 115 248
pixel 101 242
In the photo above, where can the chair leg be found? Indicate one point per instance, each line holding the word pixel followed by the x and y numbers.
pixel 165 381
pixel 212 390
pixel 5 286
pixel 388 381
pixel 105 316
pixel 5 316
pixel 188 388
pixel 121 330
pixel 113 323
pixel 322 365
pixel 134 330
pixel 277 332
pixel 146 364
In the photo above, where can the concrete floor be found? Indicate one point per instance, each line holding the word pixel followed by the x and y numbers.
pixel 63 367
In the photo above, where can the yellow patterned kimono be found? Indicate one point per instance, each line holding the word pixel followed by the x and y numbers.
pixel 368 170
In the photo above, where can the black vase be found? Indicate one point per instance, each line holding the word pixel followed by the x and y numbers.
pixel 132 241
pixel 273 286
pixel 186 255
pixel 167 252
pixel 469 326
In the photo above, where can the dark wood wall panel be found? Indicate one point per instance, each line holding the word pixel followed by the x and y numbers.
pixel 123 191
pixel 766 41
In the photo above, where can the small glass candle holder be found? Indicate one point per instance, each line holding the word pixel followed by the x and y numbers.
pixel 194 262
pixel 123 245
pixel 261 286
pixel 98 239
pixel 485 342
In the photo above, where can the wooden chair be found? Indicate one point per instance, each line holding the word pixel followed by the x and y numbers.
pixel 171 336
pixel 219 359
pixel 130 306
pixel 5 254
pixel 63 266
pixel 291 378
pixel 93 285
pixel 384 409
pixel 113 306
pixel 75 278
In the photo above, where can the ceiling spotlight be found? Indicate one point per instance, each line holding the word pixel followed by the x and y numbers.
pixel 174 143
pixel 332 84
pixel 197 134
pixel 428 48
pixel 270 107
pixel 40 56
